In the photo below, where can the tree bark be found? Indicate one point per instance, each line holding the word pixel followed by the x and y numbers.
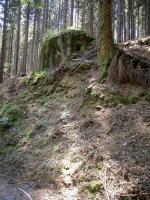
pixel 33 41
pixel 59 16
pixel 106 39
pixel 24 69
pixel 132 20
pixel 147 17
pixel 83 16
pixel 72 12
pixel 17 39
pixel 3 47
pixel 65 14
pixel 120 21
pixel 91 17
pixel 129 20
pixel 10 50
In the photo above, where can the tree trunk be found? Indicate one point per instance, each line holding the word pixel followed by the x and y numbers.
pixel 147 17
pixel 24 69
pixel 83 16
pixel 38 41
pixel 78 12
pixel 124 21
pixel 138 18
pixel 132 20
pixel 59 16
pixel 17 39
pixel 106 39
pixel 33 42
pixel 10 50
pixel 3 47
pixel 120 21
pixel 129 19
pixel 65 14
pixel 91 17
pixel 44 18
pixel 47 16
pixel 72 12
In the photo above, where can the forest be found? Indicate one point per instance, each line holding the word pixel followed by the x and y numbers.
pixel 27 22
pixel 74 99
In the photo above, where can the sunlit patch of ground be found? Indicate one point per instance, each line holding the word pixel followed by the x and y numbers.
pixel 82 142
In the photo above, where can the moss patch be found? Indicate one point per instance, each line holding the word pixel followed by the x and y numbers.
pixel 5 123
pixel 97 100
pixel 9 115
pixel 37 77
pixel 70 82
pixel 56 47
pixel 95 187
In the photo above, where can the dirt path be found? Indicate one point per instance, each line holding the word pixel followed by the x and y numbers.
pixel 9 190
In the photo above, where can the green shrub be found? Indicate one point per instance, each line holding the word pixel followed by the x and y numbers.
pixel 127 100
pixel 5 123
pixel 128 198
pixel 36 77
pixel 24 94
pixel 143 93
pixel 37 128
pixel 147 97
pixel 10 114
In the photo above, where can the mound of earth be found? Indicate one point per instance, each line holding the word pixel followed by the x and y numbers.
pixel 75 138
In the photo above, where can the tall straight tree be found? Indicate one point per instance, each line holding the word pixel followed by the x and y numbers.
pixel 147 17
pixel 106 39
pixel 17 38
pixel 120 21
pixel 91 16
pixel 72 12
pixel 4 36
pixel 129 20
pixel 25 50
pixel 33 40
pixel 65 14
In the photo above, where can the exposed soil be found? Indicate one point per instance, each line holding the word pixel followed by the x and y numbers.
pixel 74 136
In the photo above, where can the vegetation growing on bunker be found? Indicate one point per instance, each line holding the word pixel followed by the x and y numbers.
pixel 57 47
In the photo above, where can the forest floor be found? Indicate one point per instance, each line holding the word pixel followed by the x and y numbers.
pixel 74 138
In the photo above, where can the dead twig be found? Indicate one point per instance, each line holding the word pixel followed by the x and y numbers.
pixel 105 185
pixel 25 193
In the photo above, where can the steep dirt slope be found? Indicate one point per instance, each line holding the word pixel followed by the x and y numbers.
pixel 75 138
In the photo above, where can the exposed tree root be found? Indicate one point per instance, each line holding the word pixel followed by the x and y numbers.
pixel 130 64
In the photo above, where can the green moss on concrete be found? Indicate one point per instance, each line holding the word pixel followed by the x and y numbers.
pixel 45 54
pixel 56 47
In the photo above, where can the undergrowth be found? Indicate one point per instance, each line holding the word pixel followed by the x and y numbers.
pixel 9 115
pixel 109 100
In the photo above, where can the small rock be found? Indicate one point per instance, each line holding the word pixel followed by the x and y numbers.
pixel 71 93
pixel 98 108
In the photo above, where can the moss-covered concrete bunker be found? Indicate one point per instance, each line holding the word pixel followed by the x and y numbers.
pixel 57 47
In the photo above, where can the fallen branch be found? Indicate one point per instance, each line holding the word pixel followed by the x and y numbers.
pixel 105 185
pixel 25 193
